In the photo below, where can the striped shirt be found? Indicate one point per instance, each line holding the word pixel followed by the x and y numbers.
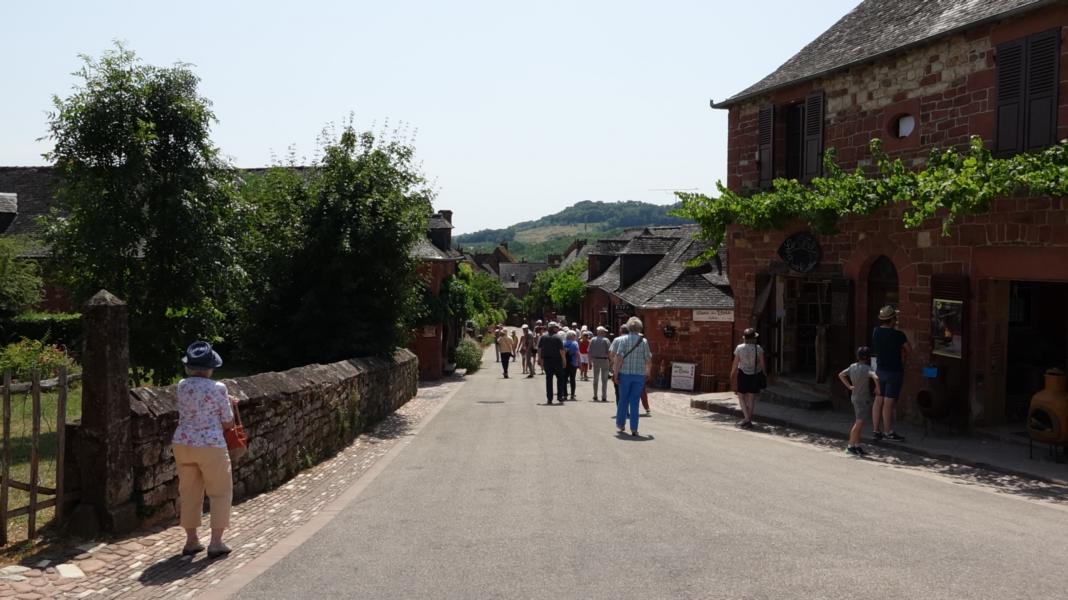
pixel 633 363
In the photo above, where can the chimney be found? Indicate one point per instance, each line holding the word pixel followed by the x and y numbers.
pixel 447 215
pixel 9 209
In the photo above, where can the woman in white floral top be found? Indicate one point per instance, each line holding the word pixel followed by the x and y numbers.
pixel 204 410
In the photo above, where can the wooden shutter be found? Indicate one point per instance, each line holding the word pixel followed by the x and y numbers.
pixel 813 153
pixel 1010 97
pixel 1042 80
pixel 766 145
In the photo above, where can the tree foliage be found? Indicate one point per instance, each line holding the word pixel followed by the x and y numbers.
pixel 474 296
pixel 952 184
pixel 560 290
pixel 143 204
pixel 330 252
pixel 20 282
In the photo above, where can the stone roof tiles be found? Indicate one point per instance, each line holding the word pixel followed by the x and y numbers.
pixel 523 272
pixel 438 222
pixel 878 27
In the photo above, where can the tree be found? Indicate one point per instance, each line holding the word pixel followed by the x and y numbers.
pixel 344 284
pixel 567 289
pixel 143 203
pixel 20 283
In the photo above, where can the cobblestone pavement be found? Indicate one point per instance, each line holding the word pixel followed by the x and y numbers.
pixel 148 564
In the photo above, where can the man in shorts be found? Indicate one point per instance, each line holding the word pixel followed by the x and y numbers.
pixel 891 348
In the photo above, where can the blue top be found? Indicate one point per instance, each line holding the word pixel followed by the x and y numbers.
pixel 572 348
pixel 886 343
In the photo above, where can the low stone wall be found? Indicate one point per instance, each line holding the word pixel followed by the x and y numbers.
pixel 294 419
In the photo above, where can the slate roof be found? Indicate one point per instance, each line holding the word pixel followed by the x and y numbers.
pixel 879 27
pixel 672 283
pixel 438 222
pixel 524 272
pixel 649 245
pixel 424 249
pixel 580 255
pixel 33 186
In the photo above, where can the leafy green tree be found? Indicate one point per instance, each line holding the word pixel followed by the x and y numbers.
pixel 143 204
pixel 346 282
pixel 537 302
pixel 20 282
pixel 567 289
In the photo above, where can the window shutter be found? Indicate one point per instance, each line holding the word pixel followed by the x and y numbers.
pixel 813 155
pixel 1010 95
pixel 1042 80
pixel 766 145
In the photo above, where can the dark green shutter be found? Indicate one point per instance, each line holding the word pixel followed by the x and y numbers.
pixel 1043 50
pixel 766 145
pixel 1010 97
pixel 813 153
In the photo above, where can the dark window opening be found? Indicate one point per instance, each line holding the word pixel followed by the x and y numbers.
pixel 795 141
pixel 1027 81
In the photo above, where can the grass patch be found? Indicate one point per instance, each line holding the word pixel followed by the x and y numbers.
pixel 21 434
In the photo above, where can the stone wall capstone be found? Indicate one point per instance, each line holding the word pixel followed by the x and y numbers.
pixel 294 419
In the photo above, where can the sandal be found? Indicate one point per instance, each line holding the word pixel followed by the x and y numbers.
pixel 217 552
pixel 191 550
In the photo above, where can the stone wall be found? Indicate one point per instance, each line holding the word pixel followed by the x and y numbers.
pixel 699 342
pixel 294 419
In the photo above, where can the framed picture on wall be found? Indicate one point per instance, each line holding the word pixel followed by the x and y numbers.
pixel 947 327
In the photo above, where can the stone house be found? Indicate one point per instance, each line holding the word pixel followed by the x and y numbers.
pixel 25 195
pixel 984 305
pixel 687 311
pixel 434 343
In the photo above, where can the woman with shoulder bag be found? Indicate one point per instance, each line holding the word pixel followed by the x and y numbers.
pixel 205 410
pixel 748 375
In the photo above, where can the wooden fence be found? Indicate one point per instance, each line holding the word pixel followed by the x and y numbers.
pixel 33 487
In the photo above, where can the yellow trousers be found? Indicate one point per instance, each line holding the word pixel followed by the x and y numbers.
pixel 203 470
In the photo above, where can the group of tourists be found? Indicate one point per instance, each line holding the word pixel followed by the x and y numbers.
pixel 566 355
pixel 879 367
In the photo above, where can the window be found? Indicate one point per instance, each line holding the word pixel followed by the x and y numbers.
pixel 1027 80
pixel 903 126
pixel 803 140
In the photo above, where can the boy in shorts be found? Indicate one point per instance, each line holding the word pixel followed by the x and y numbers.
pixel 856 377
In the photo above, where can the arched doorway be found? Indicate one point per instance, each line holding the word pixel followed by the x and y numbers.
pixel 882 290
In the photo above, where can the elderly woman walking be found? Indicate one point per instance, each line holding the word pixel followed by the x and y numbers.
pixel 204 410
pixel 630 365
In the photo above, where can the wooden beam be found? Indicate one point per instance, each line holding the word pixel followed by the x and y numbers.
pixel 61 427
pixel 6 457
pixel 35 454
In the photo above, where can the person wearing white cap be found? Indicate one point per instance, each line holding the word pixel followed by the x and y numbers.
pixel 598 351
pixel 526 346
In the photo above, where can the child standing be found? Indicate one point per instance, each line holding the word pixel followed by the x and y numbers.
pixel 856 377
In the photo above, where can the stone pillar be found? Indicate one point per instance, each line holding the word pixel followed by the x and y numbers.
pixel 104 439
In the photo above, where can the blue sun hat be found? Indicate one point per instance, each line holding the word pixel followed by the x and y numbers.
pixel 200 355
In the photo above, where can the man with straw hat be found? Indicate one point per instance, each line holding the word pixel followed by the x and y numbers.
pixel 891 348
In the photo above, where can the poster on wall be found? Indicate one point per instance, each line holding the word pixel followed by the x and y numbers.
pixel 715 315
pixel 947 327
pixel 682 376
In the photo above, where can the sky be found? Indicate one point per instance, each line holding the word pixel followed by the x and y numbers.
pixel 518 109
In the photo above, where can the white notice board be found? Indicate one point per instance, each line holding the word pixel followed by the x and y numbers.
pixel 682 375
pixel 716 314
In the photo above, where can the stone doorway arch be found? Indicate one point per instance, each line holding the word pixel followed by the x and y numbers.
pixel 883 288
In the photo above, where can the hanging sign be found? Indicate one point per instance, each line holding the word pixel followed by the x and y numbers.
pixel 801 252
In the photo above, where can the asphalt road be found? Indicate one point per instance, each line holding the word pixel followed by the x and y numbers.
pixel 501 496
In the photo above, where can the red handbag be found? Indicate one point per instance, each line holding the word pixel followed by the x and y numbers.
pixel 236 438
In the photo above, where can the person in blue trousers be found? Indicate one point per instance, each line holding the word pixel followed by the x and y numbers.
pixel 630 366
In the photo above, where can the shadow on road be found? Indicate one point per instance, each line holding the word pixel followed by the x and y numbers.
pixel 883 454
pixel 174 568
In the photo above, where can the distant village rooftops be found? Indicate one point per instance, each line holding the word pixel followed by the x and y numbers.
pixel 878 27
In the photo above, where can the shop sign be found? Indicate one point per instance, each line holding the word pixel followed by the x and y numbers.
pixel 623 307
pixel 719 315
pixel 801 252
pixel 682 375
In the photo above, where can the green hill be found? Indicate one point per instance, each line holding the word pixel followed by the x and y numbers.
pixel 534 240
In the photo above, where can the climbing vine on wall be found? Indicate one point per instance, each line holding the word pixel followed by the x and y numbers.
pixel 952 184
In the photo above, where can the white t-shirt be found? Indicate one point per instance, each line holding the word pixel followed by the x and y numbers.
pixel 203 406
pixel 748 358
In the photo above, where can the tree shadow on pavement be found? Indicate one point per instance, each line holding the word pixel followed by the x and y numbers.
pixel 977 475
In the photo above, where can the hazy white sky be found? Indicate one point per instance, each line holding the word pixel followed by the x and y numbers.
pixel 521 108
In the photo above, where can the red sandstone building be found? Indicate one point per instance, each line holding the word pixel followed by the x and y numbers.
pixel 434 343
pixel 986 304
pixel 687 311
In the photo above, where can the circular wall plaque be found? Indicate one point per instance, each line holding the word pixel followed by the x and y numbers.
pixel 801 251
